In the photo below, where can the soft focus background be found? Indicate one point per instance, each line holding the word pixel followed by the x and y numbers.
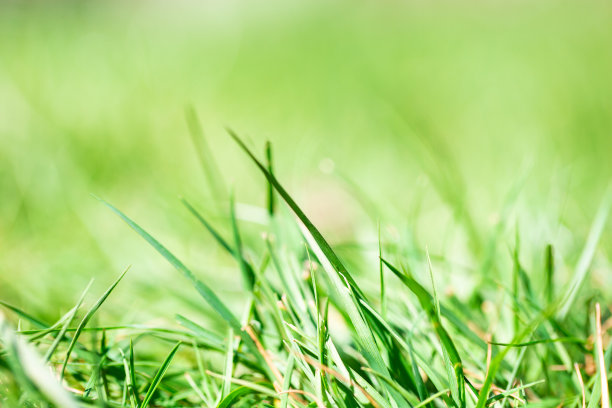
pixel 451 123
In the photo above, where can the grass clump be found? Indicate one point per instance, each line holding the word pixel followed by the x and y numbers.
pixel 313 334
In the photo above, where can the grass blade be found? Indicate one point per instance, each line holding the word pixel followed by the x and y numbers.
pixel 271 202
pixel 158 376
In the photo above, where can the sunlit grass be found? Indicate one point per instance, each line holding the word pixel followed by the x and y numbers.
pixel 465 144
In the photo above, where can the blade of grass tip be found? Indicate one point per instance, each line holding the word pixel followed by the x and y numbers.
pixel 86 318
pixel 62 332
pixel 318 237
pixel 582 268
pixel 248 275
pixel 207 160
pixel 271 201
pixel 601 364
pixel 158 376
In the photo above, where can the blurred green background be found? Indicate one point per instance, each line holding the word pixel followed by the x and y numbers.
pixel 457 120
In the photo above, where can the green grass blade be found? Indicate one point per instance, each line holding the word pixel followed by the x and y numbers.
pixel 271 201
pixel 233 396
pixel 158 377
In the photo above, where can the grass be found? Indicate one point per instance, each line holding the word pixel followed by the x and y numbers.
pixel 310 334
pixel 415 213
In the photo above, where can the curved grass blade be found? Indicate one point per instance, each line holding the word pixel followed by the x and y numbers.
pixel 233 396
pixel 158 376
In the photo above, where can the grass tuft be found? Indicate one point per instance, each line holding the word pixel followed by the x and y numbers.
pixel 323 326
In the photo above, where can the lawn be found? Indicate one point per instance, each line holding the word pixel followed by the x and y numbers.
pixel 305 204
